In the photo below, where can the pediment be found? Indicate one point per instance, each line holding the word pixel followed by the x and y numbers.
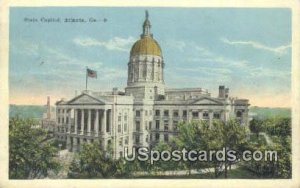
pixel 86 99
pixel 207 101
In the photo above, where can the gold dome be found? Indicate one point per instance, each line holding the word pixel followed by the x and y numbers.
pixel 146 46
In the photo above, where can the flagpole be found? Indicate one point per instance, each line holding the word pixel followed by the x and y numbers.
pixel 86 78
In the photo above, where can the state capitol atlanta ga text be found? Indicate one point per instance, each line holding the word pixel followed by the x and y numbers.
pixel 147 112
pixel 62 20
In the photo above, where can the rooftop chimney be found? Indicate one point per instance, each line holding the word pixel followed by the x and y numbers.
pixel 221 91
pixel 115 91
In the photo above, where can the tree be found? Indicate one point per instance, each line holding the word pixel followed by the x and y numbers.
pixel 280 131
pixel 92 162
pixel 161 165
pixel 256 126
pixel 191 136
pixel 198 135
pixel 30 154
pixel 234 136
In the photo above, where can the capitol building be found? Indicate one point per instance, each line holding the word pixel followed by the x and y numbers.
pixel 147 112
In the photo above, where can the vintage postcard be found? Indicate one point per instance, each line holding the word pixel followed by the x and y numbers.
pixel 154 94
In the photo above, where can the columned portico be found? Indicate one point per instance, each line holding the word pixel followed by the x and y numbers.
pixel 96 122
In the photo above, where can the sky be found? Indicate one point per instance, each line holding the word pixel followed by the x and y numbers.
pixel 245 49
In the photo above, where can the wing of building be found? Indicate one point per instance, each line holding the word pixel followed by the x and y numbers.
pixel 147 112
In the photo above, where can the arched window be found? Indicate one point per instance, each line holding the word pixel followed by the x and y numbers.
pixel 238 114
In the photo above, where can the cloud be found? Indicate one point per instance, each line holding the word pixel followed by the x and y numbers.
pixel 116 43
pixel 180 45
pixel 271 73
pixel 206 55
pixel 257 45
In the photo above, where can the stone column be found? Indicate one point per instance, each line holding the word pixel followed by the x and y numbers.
pixel 189 117
pixel 65 115
pixel 69 143
pixel 75 119
pixel 110 122
pixel 200 115
pixel 96 123
pixel 211 115
pixel 89 122
pixel 103 123
pixel 75 147
pixel 82 122
pixel 69 123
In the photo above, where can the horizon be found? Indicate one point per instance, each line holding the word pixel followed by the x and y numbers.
pixel 250 54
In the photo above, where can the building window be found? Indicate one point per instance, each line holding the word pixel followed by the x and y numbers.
pixel 145 73
pixel 137 139
pixel 58 119
pixel 126 140
pixel 150 125
pixel 146 113
pixel 216 115
pixel 121 154
pixel 138 126
pixel 166 113
pixel 146 125
pixel 184 113
pixel 205 115
pixel 157 124
pixel 175 125
pixel 150 112
pixel 121 142
pixel 157 137
pixel 157 113
pixel 125 117
pixel 137 113
pixel 175 113
pixel 238 114
pixel 166 137
pixel 195 114
pixel 125 127
pixel 119 128
pixel 166 125
pixel 119 118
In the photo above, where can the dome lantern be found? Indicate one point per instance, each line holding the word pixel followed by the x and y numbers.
pixel 146 26
pixel 146 45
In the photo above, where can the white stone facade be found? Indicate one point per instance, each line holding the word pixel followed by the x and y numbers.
pixel 147 112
